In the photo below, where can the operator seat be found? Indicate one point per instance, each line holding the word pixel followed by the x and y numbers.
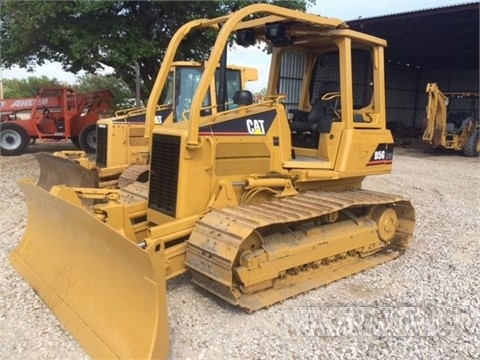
pixel 323 114
pixel 319 119
pixel 307 127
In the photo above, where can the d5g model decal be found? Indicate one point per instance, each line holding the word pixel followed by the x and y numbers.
pixel 383 155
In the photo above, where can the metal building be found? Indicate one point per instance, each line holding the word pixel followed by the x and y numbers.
pixel 438 45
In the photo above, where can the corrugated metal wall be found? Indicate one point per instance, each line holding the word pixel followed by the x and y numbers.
pixel 401 92
pixel 406 97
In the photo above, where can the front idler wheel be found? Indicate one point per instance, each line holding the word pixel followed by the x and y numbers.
pixel 387 222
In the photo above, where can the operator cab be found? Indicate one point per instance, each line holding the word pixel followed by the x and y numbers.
pixel 333 92
pixel 317 109
pixel 182 83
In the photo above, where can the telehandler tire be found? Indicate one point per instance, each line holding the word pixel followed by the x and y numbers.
pixel 88 138
pixel 14 139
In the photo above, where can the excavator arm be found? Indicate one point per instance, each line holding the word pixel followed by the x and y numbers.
pixel 439 133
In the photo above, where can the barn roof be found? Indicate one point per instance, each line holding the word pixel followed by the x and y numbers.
pixel 435 39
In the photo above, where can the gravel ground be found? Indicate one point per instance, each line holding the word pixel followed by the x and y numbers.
pixel 424 305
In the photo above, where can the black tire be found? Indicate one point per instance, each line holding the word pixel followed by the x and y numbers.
pixel 88 138
pixel 470 148
pixel 75 141
pixel 14 139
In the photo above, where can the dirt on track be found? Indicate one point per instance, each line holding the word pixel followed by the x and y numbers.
pixel 423 305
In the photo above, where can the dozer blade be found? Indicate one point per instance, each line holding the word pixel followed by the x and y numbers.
pixel 109 293
pixel 55 170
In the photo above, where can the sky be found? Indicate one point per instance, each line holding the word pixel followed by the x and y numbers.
pixel 342 9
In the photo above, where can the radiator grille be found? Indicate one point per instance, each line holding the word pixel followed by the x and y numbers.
pixel 164 174
pixel 102 140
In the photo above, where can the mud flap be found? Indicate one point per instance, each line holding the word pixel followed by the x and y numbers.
pixel 110 294
pixel 55 170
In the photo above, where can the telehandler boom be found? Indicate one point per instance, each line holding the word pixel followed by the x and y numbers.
pixel 257 207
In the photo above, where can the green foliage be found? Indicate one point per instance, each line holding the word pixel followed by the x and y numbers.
pixel 24 88
pixel 87 35
pixel 117 86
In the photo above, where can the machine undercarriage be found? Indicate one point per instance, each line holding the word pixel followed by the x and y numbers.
pixel 255 255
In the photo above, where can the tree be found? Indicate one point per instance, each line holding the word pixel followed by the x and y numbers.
pixel 88 35
pixel 259 95
pixel 117 86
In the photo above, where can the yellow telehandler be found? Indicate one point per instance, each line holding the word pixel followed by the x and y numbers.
pixel 258 203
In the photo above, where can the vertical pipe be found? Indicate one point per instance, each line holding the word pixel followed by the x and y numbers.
pixel 137 84
pixel 1 84
pixel 222 82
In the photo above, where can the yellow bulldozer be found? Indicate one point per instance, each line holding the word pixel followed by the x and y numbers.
pixel 258 203
pixel 458 131
pixel 122 154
